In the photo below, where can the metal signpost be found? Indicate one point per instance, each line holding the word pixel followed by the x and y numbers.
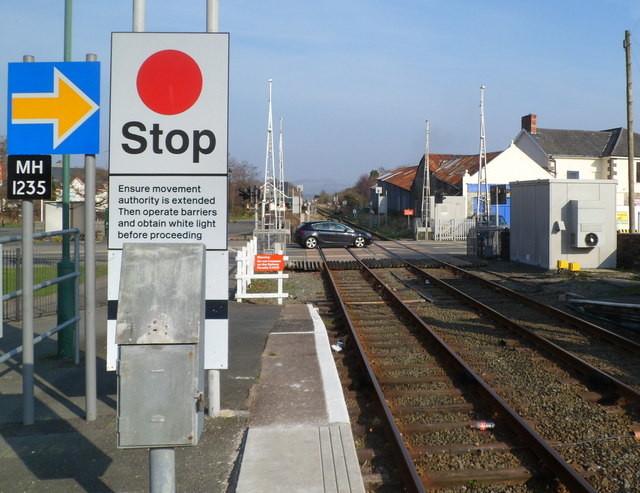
pixel 53 108
pixel 409 213
pixel 28 178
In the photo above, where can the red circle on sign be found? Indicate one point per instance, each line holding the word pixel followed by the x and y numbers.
pixel 169 82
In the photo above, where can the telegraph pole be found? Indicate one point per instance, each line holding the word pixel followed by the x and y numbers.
pixel 630 146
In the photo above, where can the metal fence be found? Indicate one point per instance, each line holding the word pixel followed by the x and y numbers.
pixel 45 301
pixel 273 240
pixel 452 229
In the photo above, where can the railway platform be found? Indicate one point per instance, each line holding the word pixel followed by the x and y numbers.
pixel 283 426
pixel 299 437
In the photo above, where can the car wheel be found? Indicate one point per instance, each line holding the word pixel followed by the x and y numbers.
pixel 311 242
pixel 359 242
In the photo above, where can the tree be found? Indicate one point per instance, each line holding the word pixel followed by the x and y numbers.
pixel 323 198
pixel 3 152
pixel 242 178
pixel 77 188
pixel 10 210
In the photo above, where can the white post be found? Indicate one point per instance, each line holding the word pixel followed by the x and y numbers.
pixel 213 381
pixel 240 274
pixel 212 16
pixel 280 288
pixel 138 16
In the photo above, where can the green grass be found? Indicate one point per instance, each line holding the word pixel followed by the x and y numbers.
pixel 42 274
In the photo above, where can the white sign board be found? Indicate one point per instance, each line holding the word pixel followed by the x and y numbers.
pixel 169 103
pixel 168 162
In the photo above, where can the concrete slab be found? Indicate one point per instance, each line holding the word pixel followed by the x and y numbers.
pixel 62 452
pixel 305 459
pixel 299 438
pixel 290 390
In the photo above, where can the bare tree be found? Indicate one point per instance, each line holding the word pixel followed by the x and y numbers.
pixel 243 176
pixel 9 210
pixel 101 192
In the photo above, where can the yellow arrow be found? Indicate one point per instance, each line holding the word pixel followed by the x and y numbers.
pixel 67 107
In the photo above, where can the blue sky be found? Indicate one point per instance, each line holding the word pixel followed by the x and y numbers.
pixel 355 80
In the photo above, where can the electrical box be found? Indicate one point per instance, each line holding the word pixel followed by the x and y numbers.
pixel 159 329
pixel 587 223
pixel 562 219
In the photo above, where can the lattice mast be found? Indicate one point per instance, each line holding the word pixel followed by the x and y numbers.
pixel 281 195
pixel 483 193
pixel 426 186
pixel 269 189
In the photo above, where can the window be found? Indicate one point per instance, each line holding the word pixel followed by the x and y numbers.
pixel 573 175
pixel 322 226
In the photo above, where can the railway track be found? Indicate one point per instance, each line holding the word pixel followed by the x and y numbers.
pixel 437 401
pixel 328 215
pixel 576 384
pixel 605 357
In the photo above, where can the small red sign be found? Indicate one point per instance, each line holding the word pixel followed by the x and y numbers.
pixel 269 263
pixel 408 212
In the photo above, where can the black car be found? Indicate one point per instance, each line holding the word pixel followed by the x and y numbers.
pixel 329 233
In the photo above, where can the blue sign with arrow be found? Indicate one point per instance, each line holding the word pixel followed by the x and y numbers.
pixel 54 108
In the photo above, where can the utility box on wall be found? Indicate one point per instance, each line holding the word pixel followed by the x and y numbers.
pixel 587 223
pixel 450 208
pixel 572 220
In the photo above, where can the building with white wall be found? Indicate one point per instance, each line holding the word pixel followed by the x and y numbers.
pixel 457 175
pixel 581 154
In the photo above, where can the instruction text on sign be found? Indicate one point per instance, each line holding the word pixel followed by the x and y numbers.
pixel 157 209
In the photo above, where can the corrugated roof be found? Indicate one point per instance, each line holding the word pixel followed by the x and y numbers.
pixel 451 168
pixel 401 177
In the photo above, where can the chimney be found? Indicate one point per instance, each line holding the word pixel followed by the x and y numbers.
pixel 529 123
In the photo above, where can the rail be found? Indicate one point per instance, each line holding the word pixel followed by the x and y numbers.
pixel 536 443
pixel 605 380
pixel 374 233
pixel 411 478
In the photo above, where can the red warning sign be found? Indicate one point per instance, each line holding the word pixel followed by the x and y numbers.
pixel 269 263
